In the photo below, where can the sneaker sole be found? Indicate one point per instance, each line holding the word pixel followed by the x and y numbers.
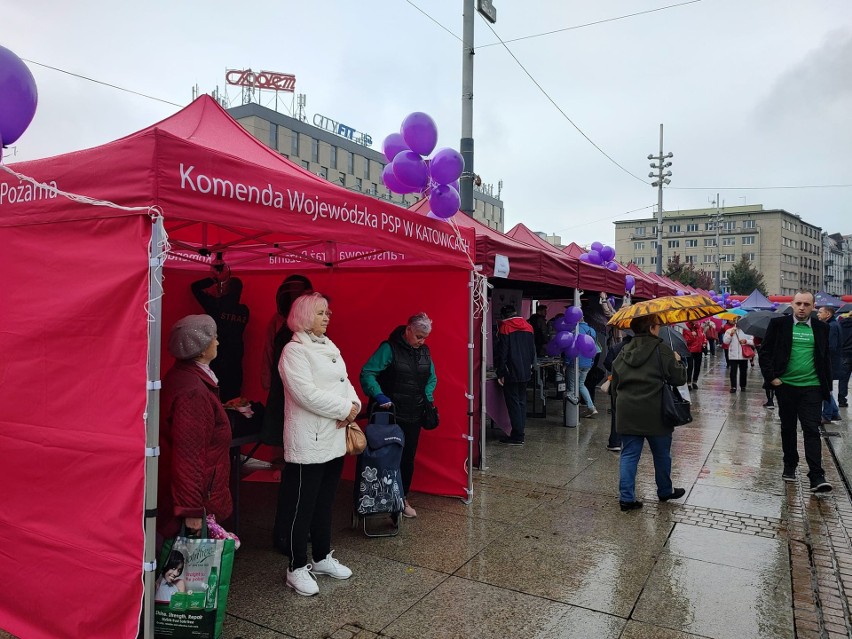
pixel 328 574
pixel 785 478
pixel 822 488
pixel 301 592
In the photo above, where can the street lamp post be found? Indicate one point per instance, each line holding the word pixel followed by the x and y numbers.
pixel 662 177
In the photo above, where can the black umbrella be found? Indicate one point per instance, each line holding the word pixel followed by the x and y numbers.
pixel 846 308
pixel 675 340
pixel 756 323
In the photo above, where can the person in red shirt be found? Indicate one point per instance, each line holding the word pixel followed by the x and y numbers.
pixel 712 335
pixel 695 342
pixel 726 327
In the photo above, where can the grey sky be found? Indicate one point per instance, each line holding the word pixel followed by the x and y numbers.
pixel 752 92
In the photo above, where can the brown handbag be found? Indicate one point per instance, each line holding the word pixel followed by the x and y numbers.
pixel 356 440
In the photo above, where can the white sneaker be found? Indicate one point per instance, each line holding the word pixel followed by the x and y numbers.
pixel 331 567
pixel 302 581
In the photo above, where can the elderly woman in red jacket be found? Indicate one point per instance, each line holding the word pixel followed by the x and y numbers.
pixel 695 341
pixel 195 434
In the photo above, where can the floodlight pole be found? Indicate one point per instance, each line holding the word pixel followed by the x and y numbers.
pixel 466 144
pixel 662 178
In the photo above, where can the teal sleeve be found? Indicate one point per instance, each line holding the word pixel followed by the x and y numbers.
pixel 378 362
pixel 431 384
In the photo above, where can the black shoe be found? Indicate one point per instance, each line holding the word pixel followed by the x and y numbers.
pixel 677 493
pixel 629 505
pixel 733 390
pixel 821 487
pixel 742 390
pixel 769 404
pixel 843 404
pixel 789 475
pixel 509 441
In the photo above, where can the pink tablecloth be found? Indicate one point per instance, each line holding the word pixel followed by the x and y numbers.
pixel 495 406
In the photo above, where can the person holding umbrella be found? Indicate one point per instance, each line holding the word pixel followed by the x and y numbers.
pixel 736 341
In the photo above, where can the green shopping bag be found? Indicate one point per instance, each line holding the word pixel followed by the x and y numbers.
pixel 191 590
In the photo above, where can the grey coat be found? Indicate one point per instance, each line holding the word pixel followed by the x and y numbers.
pixel 637 385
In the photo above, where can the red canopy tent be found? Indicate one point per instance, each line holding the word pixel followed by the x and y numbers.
pixel 81 351
pixel 599 277
pixel 662 288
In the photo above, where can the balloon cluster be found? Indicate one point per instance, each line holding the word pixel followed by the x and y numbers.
pixel 629 284
pixel 411 171
pixel 600 255
pixel 723 299
pixel 565 342
pixel 18 97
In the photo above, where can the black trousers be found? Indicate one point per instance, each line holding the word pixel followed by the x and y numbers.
pixel 515 394
pixel 305 499
pixel 802 403
pixel 409 451
pixel 693 367
pixel 740 365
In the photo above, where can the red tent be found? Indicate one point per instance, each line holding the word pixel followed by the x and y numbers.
pixel 597 278
pixel 82 351
pixel 662 287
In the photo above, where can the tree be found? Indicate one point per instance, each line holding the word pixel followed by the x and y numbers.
pixel 687 274
pixel 744 278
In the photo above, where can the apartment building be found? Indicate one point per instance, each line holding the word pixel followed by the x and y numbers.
pixel 341 154
pixel 787 250
pixel 837 254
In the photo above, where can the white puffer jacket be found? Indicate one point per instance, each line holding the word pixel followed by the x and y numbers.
pixel 735 350
pixel 317 394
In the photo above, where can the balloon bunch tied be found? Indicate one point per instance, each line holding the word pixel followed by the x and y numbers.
pixel 603 255
pixel 18 97
pixel 723 299
pixel 410 170
pixel 565 342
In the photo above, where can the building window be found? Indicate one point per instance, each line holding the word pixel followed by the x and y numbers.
pixel 306 164
pixel 674 243
pixel 749 224
pixel 638 246
pixel 690 259
pixel 350 162
pixel 709 226
pixel 640 261
pixel 367 168
pixel 674 228
pixel 358 183
pixel 374 188
pixel 728 257
pixel 653 261
pixel 654 244
pixel 639 230
pixel 333 155
pixel 729 226
pixel 323 172
pixel 748 239
pixel 691 228
pixel 709 243
pixel 729 241
pixel 314 150
pixel 691 243
pixel 294 145
pixel 709 259
pixel 749 256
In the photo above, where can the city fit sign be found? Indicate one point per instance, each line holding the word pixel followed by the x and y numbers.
pixel 343 130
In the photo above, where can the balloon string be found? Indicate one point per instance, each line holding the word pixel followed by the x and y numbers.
pixel 154 211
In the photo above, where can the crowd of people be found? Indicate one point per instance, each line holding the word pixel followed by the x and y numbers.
pixel 310 403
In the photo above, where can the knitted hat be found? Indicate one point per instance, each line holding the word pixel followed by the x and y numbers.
pixel 191 335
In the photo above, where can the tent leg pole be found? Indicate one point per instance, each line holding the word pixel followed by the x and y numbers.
pixel 483 416
pixel 470 394
pixel 152 426
pixel 571 412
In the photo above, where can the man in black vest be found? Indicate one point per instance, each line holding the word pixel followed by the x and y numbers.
pixel 401 374
pixel 513 361
pixel 794 359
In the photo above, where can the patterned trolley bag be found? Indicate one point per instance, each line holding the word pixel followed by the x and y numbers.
pixel 378 482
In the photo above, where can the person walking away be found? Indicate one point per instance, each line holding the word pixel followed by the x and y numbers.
pixel 795 359
pixel 735 339
pixel 195 433
pixel 585 365
pixel 401 374
pixel 220 299
pixel 767 387
pixel 845 323
pixel 513 362
pixel 725 328
pixel 695 342
pixel 538 321
pixel 319 402
pixel 614 441
pixel 712 335
pixel 638 375
pixel 830 410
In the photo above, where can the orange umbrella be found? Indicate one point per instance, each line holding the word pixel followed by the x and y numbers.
pixel 671 310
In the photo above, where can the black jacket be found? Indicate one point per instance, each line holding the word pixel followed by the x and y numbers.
pixel 845 324
pixel 515 353
pixel 777 346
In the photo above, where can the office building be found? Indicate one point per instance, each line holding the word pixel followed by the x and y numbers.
pixel 837 254
pixel 786 249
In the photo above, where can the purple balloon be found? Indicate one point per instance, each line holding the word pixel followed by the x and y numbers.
pixel 587 345
pixel 432 216
pixel 629 283
pixel 447 166
pixel 393 146
pixel 584 257
pixel 552 348
pixel 611 301
pixel 680 292
pixel 420 133
pixel 612 266
pixel 18 96
pixel 597 246
pixel 712 293
pixel 444 201
pixel 574 315
pixel 572 351
pixel 456 185
pixel 562 324
pixel 595 257
pixel 392 183
pixel 410 169
pixel 607 253
pixel 564 339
